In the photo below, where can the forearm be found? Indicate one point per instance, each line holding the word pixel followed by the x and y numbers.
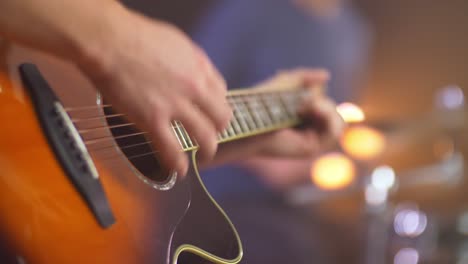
pixel 74 30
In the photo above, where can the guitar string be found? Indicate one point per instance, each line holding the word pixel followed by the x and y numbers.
pixel 87 107
pixel 258 104
pixel 90 119
pixel 149 141
pixel 118 155
pixel 92 129
pixel 121 147
pixel 97 107
pixel 230 94
pixel 90 141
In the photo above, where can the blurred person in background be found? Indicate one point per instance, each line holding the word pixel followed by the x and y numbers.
pixel 249 40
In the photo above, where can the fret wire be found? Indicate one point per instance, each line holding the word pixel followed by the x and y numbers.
pixel 253 109
pixel 184 145
pixel 265 107
pixel 225 134
pixel 186 135
pixel 289 101
pixel 175 128
pixel 270 106
pixel 282 109
pixel 283 104
pixel 292 92
pixel 246 113
pixel 231 130
pixel 236 124
pixel 264 110
pixel 238 115
pixel 189 139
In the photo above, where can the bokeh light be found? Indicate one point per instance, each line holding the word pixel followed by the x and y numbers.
pixel 450 97
pixel 375 196
pixel 383 178
pixel 333 171
pixel 350 113
pixel 363 143
pixel 406 256
pixel 410 222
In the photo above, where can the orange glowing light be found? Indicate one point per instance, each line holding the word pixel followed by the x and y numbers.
pixel 333 171
pixel 350 113
pixel 363 143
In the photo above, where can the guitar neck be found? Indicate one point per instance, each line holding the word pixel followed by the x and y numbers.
pixel 254 112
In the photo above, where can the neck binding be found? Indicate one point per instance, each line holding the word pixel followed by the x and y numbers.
pixel 255 112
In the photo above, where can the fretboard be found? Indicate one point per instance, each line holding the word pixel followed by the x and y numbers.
pixel 254 112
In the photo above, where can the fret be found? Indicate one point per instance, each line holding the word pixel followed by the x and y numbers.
pixel 259 111
pixel 186 136
pixel 225 134
pixel 244 110
pixel 231 130
pixel 253 113
pixel 263 110
pixel 183 135
pixel 290 101
pixel 252 105
pixel 238 115
pixel 275 107
pixel 178 134
pixel 235 123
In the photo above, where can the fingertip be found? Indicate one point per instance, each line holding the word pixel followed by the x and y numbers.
pixel 208 150
pixel 182 166
pixel 229 114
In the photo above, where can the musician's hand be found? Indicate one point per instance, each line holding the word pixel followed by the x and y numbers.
pixel 325 124
pixel 153 72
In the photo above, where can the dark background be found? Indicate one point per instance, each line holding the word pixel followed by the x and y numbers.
pixel 419 46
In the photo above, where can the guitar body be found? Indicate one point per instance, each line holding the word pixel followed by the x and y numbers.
pixel 43 217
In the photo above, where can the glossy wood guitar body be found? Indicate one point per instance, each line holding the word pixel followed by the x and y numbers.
pixel 44 220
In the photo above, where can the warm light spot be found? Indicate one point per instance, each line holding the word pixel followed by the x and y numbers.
pixel 406 256
pixel 350 113
pixel 443 148
pixel 363 142
pixel 383 178
pixel 333 171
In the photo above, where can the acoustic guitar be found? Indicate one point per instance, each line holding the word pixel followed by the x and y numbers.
pixel 80 184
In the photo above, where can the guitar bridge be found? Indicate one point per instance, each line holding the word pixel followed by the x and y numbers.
pixel 66 144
